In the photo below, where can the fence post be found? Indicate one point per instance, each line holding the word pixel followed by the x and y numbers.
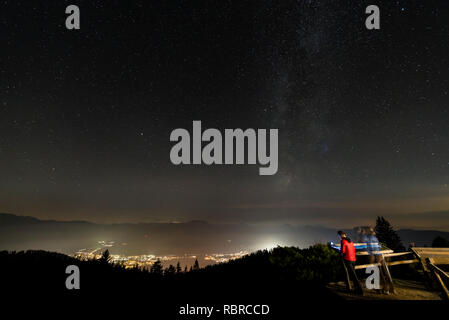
pixel 387 271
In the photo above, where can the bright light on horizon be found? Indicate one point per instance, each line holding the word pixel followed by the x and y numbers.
pixel 269 243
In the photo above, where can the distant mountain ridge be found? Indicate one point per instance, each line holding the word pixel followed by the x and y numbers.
pixel 9 218
pixel 199 237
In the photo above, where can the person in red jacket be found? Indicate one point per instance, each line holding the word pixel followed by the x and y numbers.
pixel 347 251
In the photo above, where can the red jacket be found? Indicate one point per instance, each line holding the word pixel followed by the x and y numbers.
pixel 348 250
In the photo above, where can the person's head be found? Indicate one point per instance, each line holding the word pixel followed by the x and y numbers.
pixel 360 231
pixel 342 234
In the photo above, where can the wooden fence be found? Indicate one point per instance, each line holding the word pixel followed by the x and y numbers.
pixel 430 259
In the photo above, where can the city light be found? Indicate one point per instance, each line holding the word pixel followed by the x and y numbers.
pixel 145 261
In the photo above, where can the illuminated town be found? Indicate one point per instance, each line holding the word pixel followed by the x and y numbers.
pixel 145 261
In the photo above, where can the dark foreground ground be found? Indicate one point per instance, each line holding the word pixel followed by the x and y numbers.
pixel 292 282
pixel 404 290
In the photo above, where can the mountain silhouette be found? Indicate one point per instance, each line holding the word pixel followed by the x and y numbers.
pixel 23 233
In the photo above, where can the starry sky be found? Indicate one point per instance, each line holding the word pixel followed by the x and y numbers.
pixel 86 115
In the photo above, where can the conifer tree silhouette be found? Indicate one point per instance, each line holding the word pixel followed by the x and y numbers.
pixel 196 265
pixel 386 235
pixel 156 268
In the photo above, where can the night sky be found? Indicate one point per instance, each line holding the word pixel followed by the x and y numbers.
pixel 363 115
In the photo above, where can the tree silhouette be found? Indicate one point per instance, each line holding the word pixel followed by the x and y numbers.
pixel 196 265
pixel 185 269
pixel 440 242
pixel 386 235
pixel 156 268
pixel 105 257
pixel 178 268
pixel 170 270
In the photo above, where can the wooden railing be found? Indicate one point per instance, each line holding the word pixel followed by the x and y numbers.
pixel 390 263
pixel 429 258
pixel 441 276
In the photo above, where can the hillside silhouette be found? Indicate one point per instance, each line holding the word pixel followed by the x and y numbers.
pixel 288 279
pixel 264 274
